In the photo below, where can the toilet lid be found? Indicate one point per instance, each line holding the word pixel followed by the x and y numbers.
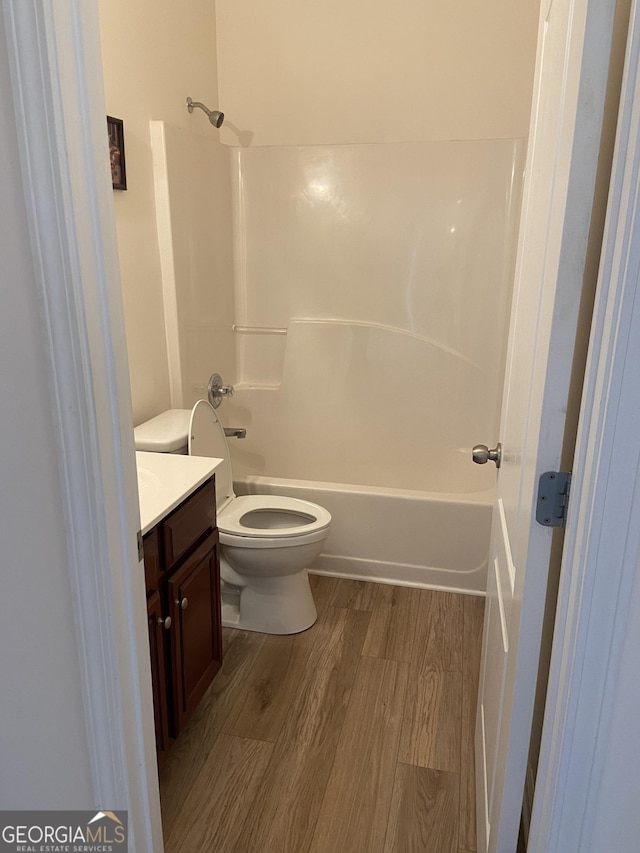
pixel 272 516
pixel 207 438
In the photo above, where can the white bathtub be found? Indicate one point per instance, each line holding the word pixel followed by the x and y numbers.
pixel 396 536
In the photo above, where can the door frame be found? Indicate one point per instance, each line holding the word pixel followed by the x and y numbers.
pixel 55 49
pixel 54 56
pixel 602 543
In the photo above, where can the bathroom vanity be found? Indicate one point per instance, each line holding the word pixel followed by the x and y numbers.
pixel 182 576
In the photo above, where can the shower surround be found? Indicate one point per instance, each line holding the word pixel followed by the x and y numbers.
pixel 372 291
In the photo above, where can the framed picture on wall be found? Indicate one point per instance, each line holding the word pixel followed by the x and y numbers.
pixel 115 128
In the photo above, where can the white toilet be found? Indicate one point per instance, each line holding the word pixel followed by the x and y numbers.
pixel 266 541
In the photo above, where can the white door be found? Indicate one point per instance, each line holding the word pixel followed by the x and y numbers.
pixel 571 72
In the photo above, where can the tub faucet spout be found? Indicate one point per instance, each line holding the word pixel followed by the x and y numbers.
pixel 235 432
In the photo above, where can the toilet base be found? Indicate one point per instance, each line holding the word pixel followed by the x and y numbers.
pixel 272 605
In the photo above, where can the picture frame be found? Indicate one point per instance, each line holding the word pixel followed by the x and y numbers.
pixel 115 129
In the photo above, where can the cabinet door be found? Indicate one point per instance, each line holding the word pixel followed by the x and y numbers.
pixel 157 648
pixel 152 566
pixel 194 598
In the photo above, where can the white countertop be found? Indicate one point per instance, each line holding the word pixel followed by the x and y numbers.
pixel 165 480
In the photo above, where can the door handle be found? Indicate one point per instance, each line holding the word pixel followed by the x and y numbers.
pixel 481 454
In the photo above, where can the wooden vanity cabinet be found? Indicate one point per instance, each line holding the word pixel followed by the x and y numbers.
pixel 182 572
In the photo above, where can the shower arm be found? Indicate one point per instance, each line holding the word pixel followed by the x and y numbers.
pixel 215 116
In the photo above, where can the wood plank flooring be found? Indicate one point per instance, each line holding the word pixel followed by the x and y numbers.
pixel 356 735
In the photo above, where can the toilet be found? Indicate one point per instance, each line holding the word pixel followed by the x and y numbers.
pixel 266 541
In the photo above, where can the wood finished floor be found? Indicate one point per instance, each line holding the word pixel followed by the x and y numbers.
pixel 354 736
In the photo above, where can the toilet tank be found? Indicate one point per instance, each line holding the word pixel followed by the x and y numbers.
pixel 166 433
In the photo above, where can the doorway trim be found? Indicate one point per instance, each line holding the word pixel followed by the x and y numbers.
pixel 57 84
pixel 60 118
pixel 602 542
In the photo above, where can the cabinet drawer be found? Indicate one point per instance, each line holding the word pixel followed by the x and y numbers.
pixel 186 526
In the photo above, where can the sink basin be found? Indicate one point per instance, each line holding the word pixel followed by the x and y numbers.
pixel 148 483
pixel 165 480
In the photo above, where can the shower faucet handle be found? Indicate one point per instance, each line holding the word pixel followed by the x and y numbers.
pixel 216 390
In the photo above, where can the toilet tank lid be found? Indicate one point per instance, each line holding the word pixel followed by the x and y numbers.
pixel 165 433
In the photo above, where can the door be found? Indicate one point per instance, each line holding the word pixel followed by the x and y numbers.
pixel 194 598
pixel 569 91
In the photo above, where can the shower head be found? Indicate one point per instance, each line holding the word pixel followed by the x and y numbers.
pixel 215 116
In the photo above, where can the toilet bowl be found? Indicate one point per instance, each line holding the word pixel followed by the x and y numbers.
pixel 266 541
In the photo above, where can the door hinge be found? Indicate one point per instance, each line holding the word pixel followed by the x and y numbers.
pixel 553 498
pixel 140 547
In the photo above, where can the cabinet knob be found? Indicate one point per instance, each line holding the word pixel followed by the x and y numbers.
pixel 184 603
pixel 166 622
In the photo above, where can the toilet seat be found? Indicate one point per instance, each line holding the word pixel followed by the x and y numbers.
pixel 207 438
pixel 258 521
pixel 252 521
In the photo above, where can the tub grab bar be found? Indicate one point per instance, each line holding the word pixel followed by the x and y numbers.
pixel 259 330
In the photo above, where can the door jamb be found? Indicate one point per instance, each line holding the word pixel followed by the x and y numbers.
pixel 60 117
pixel 603 529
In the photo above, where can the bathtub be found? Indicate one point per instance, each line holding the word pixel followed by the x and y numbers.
pixel 396 536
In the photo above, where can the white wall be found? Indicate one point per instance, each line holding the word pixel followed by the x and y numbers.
pixel 45 756
pixel 155 54
pixel 198 204
pixel 309 73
